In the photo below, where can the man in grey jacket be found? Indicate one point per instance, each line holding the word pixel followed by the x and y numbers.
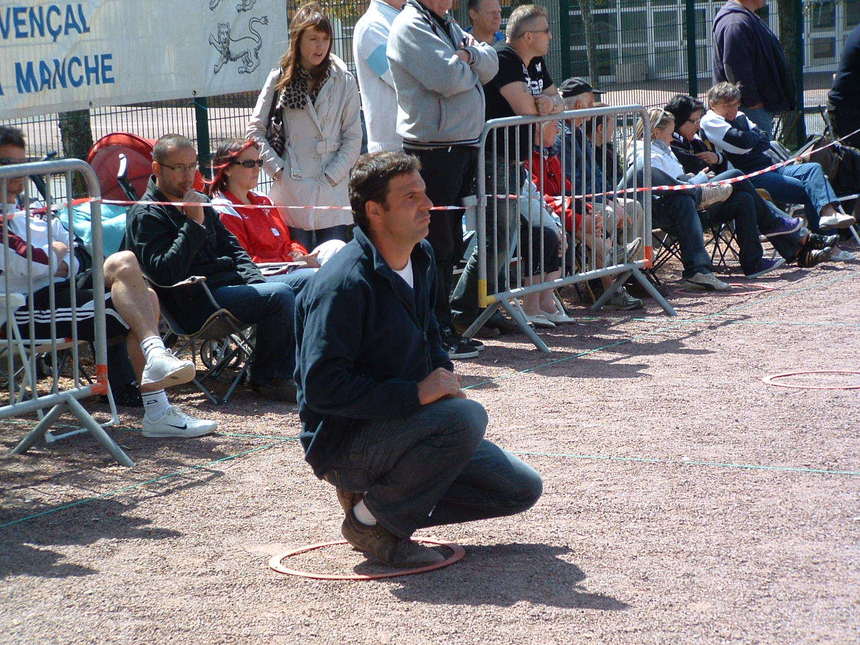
pixel 438 71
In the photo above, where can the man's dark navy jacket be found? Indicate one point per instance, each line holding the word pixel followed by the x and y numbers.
pixel 746 51
pixel 365 339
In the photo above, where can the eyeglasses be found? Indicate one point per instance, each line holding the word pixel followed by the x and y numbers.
pixel 248 163
pixel 193 167
pixel 537 31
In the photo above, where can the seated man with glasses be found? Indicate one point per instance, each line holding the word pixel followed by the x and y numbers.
pixel 40 263
pixel 173 243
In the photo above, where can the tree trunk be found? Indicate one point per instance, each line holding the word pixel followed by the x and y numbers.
pixel 791 36
pixel 77 138
pixel 590 40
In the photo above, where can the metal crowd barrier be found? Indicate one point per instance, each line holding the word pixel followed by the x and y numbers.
pixel 21 343
pixel 515 221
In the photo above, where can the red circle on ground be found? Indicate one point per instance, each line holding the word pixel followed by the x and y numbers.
pixel 770 380
pixel 275 562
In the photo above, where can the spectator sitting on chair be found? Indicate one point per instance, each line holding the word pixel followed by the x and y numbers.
pixel 746 147
pixel 260 230
pixel 720 202
pixel 675 211
pixel 589 228
pixel 585 172
pixel 174 243
pixel 131 310
pixel 788 237
pixel 385 420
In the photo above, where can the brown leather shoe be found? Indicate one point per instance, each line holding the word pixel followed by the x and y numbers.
pixel 380 544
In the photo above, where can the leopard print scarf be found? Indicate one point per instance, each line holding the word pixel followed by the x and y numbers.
pixel 295 95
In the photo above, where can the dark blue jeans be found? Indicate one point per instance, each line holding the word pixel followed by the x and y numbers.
pixel 432 468
pixel 803 183
pixel 676 213
pixel 740 207
pixel 270 305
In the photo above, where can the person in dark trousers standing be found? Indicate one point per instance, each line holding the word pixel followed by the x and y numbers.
pixel 173 244
pixel 385 420
pixel 843 101
pixel 523 86
pixel 438 71
pixel 746 51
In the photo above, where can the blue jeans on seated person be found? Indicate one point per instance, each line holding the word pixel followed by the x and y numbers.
pixel 295 280
pixel 433 467
pixel 271 306
pixel 803 183
pixel 676 213
pixel 740 207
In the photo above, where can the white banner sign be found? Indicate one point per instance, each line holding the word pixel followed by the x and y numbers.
pixel 58 56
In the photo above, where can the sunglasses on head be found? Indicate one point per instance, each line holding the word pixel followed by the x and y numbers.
pixel 248 163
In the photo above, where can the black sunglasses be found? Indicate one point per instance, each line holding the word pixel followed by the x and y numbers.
pixel 248 163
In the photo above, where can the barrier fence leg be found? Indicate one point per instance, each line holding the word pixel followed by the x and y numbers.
pixel 652 291
pixel 37 434
pixel 518 316
pixel 480 320
pixel 98 432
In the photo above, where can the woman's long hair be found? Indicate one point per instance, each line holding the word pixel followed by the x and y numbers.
pixel 226 153
pixel 309 16
pixel 659 118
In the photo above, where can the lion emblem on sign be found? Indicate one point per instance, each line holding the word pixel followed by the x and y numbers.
pixel 245 50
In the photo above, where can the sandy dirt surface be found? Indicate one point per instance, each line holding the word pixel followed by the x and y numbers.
pixel 686 501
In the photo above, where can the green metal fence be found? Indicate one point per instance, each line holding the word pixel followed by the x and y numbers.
pixel 638 51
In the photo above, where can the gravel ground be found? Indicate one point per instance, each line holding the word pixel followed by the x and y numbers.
pixel 685 500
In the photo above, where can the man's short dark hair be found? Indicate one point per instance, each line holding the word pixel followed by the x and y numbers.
pixel 166 142
pixel 369 179
pixel 10 136
pixel 474 4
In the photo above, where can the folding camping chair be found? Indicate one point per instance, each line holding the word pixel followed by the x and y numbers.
pixel 193 318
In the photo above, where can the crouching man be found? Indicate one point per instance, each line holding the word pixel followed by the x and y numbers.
pixel 384 417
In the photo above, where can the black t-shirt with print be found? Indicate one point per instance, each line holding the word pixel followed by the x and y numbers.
pixel 511 70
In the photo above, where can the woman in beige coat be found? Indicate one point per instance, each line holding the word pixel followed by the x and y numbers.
pixel 319 102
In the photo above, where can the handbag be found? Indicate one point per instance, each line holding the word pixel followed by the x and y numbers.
pixel 275 126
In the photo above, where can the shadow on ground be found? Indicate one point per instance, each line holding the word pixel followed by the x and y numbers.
pixel 23 547
pixel 503 575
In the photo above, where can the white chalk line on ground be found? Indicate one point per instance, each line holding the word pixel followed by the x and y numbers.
pixel 278 440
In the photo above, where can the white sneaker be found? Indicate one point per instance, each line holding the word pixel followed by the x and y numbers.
pixel 175 423
pixel 714 195
pixel 706 282
pixel 837 220
pixel 166 370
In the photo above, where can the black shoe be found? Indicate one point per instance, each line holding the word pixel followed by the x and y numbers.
pixel 818 241
pixel 809 257
pixel 475 344
pixel 459 348
pixel 276 389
